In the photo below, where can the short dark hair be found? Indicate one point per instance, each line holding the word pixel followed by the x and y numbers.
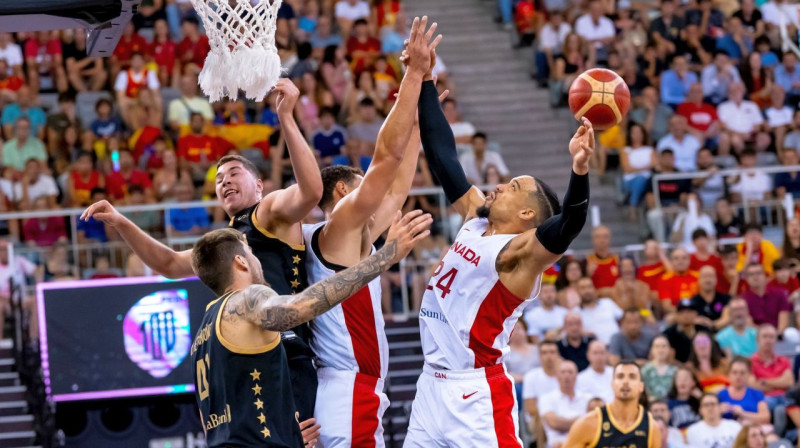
pixel 628 362
pixel 97 190
pixel 781 263
pixel 546 201
pixel 361 21
pixel 194 114
pixel 133 189
pixel 66 97
pixel 101 102
pixel 747 152
pixel 548 342
pixel 212 256
pixel 247 164
pixel 762 39
pixel 632 310
pixel 366 102
pixel 754 264
pixel 699 233
pixel 326 110
pixel 727 250
pixel 331 175
pixel 82 154
pixel 752 226
pixel 741 360
pixel 480 135
pixel 667 151
pixel 191 19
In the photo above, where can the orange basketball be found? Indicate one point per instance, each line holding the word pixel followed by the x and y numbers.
pixel 601 96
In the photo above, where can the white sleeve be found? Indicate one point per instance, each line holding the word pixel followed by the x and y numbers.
pixel 338 10
pixel 152 81
pixel 546 403
pixel 678 221
pixel 122 81
pixel 758 117
pixel 15 56
pixel 529 386
pixel 498 161
pixel 617 310
pixel 50 187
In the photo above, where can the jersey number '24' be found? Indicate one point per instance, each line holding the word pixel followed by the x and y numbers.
pixel 442 283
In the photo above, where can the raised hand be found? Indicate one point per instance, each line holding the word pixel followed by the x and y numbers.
pixel 419 54
pixel 103 211
pixel 407 231
pixel 286 98
pixel 582 147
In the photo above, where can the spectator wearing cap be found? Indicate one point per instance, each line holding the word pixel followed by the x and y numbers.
pixel 701 117
pixel 741 122
pixel 329 138
pixel 552 36
pixel 23 107
pixel 683 144
pixel 600 315
pixel 772 374
pixel 736 43
pixel 787 75
pixel 739 337
pixel 755 249
pixel 767 304
pixel 677 284
pixel 23 147
pixel 574 344
pixel 672 194
pixel 717 78
pixel 362 47
pixel 633 340
pixel 681 333
pixel 194 47
pixel 180 110
pixel 788 182
pixel 706 15
pixel 711 305
pixel 676 81
pixel 476 162
pixel 597 29
pixel 665 30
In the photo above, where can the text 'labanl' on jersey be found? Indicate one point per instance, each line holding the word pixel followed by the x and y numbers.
pixel 467 314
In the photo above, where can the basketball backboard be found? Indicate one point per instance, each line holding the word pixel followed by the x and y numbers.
pixel 103 19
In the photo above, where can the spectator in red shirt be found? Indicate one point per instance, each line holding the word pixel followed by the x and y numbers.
pixel 679 283
pixel 82 180
pixel 772 374
pixel 703 256
pixel 362 48
pixel 9 84
pixel 44 232
pixel 653 265
pixel 197 151
pixel 118 182
pixel 136 88
pixel 130 42
pixel 44 57
pixel 701 117
pixel 163 53
pixel 767 304
pixel 784 277
pixel 194 47
pixel 602 265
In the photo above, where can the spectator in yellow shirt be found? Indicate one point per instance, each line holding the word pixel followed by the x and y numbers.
pixel 755 249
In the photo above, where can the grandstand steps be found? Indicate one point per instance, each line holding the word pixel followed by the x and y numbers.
pixel 405 367
pixel 497 95
pixel 17 425
pixel 16 439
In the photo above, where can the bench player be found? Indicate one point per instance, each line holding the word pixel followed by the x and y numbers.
pixel 464 397
pixel 349 341
pixel 624 422
pixel 243 386
pixel 271 224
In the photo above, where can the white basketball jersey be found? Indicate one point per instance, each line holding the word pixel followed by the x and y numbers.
pixel 351 335
pixel 467 314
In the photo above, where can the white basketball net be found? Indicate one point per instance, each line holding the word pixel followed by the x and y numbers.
pixel 243 56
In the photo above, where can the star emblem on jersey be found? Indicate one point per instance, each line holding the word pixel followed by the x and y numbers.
pixel 465 396
pixel 255 374
pixel 257 390
pixel 296 259
pixel 265 432
pixel 295 283
pixel 261 418
pixel 295 272
pixel 259 404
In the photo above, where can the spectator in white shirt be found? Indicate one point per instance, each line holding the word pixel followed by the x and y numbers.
pixel 741 122
pixel 180 109
pixel 348 11
pixel 717 77
pixel 35 184
pixel 752 185
pixel 712 431
pixel 546 317
pixel 596 380
pixel 462 130
pixel 597 29
pixel 776 12
pixel 561 408
pixel 688 221
pixel 551 39
pixel 683 144
pixel 476 162
pixel 538 382
pixel 779 117
pixel 131 82
pixel 12 53
pixel 600 316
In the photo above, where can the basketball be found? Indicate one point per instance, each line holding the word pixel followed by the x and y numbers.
pixel 601 96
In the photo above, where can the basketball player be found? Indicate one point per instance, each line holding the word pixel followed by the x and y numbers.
pixel 622 423
pixel 349 341
pixel 271 224
pixel 243 385
pixel 490 274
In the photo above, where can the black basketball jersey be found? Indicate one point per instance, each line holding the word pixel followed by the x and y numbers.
pixel 244 395
pixel 284 267
pixel 609 434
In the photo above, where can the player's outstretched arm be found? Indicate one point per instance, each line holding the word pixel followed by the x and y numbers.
pixel 292 204
pixel 160 258
pixel 583 432
pixel 440 150
pixel 263 307
pixel 361 205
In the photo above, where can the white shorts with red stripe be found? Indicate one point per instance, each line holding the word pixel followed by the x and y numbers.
pixel 466 408
pixel 350 408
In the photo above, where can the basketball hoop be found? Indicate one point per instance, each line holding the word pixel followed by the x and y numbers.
pixel 243 56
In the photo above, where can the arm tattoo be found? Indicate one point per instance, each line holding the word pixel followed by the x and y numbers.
pixel 260 305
